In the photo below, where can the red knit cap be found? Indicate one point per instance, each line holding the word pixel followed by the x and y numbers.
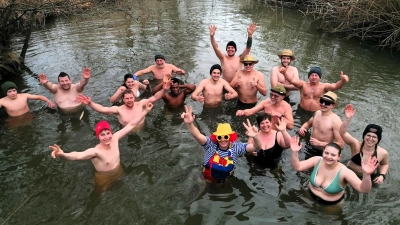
pixel 101 126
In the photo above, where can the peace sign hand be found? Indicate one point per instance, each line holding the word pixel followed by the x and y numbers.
pixel 252 130
pixel 212 28
pixel 188 116
pixel 56 151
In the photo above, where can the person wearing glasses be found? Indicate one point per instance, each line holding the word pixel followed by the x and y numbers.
pixel 361 151
pixel 176 96
pixel 248 83
pixel 230 61
pixel 325 124
pixel 312 90
pixel 277 78
pixel 275 106
pixel 221 148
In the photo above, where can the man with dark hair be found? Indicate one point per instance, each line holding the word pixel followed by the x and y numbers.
pixel 65 92
pixel 17 104
pixel 211 90
pixel 160 68
pixel 230 62
pixel 130 109
pixel 310 92
pixel 276 78
pixel 175 98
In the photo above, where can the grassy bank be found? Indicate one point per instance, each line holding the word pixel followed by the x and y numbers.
pixel 377 20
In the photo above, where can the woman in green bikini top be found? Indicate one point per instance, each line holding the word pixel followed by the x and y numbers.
pixel 330 177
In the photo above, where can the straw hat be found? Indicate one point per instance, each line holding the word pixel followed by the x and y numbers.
pixel 249 58
pixel 287 52
pixel 330 96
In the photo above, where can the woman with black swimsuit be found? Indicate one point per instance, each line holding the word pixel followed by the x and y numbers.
pixel 273 142
pixel 361 151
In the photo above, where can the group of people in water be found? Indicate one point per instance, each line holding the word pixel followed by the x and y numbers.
pixel 234 78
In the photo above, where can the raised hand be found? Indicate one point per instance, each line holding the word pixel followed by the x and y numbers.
pixel 349 111
pixel 167 78
pixel 188 116
pixel 212 28
pixel 167 86
pixel 282 124
pixel 86 73
pixel 344 77
pixel 56 151
pixel 83 99
pixel 251 129
pixel 43 78
pixel 295 144
pixel 251 29
pixel 370 166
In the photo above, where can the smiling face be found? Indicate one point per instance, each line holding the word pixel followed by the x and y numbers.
pixel 160 63
pixel 326 105
pixel 275 98
pixel 215 74
pixel 248 66
pixel 371 139
pixel 265 126
pixel 105 137
pixel 285 61
pixel 129 83
pixel 65 82
pixel 230 50
pixel 128 99
pixel 314 78
pixel 331 155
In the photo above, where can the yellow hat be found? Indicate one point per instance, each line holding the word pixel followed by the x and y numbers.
pixel 287 52
pixel 249 58
pixel 223 129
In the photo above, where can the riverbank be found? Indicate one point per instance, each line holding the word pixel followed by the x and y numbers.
pixel 378 21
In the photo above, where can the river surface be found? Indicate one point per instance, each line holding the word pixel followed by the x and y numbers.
pixel 161 183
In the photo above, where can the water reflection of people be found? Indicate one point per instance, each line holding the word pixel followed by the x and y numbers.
pixel 272 142
pixel 360 151
pixel 105 156
pixel 330 177
pixel 17 104
pixel 221 150
pixel 65 92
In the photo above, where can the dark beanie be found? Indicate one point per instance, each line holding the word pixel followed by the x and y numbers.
pixel 373 128
pixel 315 69
pixel 8 85
pixel 159 56
pixel 231 43
pixel 216 66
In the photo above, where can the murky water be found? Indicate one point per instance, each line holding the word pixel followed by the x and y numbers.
pixel 161 183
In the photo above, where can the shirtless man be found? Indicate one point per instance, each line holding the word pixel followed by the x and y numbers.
pixel 277 78
pixel 130 109
pixel 65 92
pixel 248 82
pixel 176 97
pixel 210 91
pixel 311 91
pixel 17 104
pixel 325 124
pixel 160 68
pixel 275 106
pixel 230 62
pixel 105 155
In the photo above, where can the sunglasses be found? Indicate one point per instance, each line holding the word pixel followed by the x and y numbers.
pixel 247 64
pixel 273 95
pixel 325 102
pixel 223 138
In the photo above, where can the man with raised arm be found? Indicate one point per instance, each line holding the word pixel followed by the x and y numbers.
pixel 65 92
pixel 229 61
pixel 161 68
pixel 17 104
pixel 175 98
pixel 248 82
pixel 105 156
pixel 130 109
pixel 277 78
pixel 221 148
pixel 211 90
pixel 310 92
pixel 325 124
pixel 275 106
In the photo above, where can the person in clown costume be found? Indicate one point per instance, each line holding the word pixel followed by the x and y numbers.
pixel 221 148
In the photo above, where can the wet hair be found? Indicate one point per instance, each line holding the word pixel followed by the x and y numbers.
pixel 127 91
pixel 62 74
pixel 334 145
pixel 263 116
pixel 126 77
pixel 175 80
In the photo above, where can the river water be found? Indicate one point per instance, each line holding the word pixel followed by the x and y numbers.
pixel 161 183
